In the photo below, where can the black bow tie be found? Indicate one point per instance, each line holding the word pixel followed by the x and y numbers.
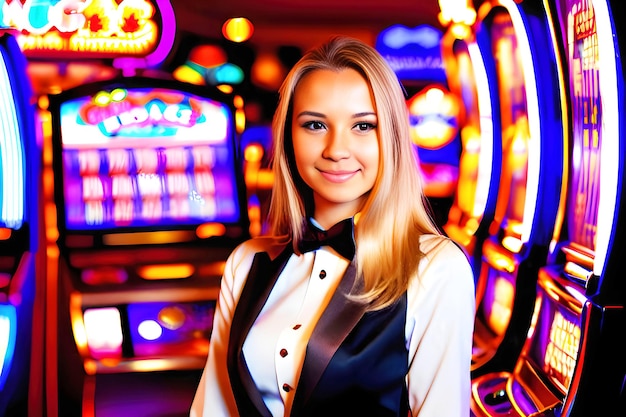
pixel 340 237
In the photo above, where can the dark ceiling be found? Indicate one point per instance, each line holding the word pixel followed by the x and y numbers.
pixel 303 23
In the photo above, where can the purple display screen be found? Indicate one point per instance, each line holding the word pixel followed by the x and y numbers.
pixel 578 32
pixel 164 329
pixel 146 157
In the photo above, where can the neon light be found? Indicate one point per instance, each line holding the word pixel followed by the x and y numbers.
pixel 98 26
pixel 149 330
pixel 486 130
pixel 103 327
pixel 12 192
pixel 532 105
pixel 8 322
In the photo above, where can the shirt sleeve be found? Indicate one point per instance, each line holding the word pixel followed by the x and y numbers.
pixel 214 396
pixel 439 331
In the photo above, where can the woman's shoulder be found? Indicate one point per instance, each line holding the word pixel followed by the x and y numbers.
pixel 431 245
pixel 272 245
pixel 444 267
pixel 443 254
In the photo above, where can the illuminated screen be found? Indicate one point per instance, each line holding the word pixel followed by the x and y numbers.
pixel 578 25
pixel 139 157
pixel 554 346
pixel 170 329
pixel 514 118
pixel 497 302
pixel 8 319
pixel 12 164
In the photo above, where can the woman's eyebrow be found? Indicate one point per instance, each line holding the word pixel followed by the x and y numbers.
pixel 310 113
pixel 363 114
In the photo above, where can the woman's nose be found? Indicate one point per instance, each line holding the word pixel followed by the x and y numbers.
pixel 337 145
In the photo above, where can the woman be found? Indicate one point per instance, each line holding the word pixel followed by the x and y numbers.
pixel 376 321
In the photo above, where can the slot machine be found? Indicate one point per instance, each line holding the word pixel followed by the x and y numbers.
pixel 572 363
pixel 150 200
pixel 472 210
pixel 21 331
pixel 529 189
pixel 415 56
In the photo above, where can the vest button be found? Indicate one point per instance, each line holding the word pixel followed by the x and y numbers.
pixel 322 274
pixel 286 387
pixel 283 352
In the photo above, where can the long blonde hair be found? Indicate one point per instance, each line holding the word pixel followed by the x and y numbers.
pixel 395 213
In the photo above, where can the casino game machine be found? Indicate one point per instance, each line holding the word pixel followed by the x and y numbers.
pixel 21 329
pixel 150 201
pixel 415 56
pixel 472 80
pixel 573 363
pixel 531 172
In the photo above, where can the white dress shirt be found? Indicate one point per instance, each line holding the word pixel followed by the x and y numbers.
pixel 438 332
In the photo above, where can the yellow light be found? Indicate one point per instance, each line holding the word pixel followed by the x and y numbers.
pixel 118 94
pixel 225 88
pixel 253 153
pixel 187 74
pixel 237 29
pixel 240 120
pixel 166 271
pixel 102 98
pixel 501 308
pixel 150 238
pixel 456 11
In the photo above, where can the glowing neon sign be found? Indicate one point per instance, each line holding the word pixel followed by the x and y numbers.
pixel 99 28
pixel 122 114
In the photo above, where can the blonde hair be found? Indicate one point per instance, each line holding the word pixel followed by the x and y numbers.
pixel 395 214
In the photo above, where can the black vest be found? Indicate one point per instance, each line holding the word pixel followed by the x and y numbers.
pixel 356 362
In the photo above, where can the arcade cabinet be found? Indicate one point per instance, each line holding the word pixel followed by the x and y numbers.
pixel 572 362
pixel 21 328
pixel 151 201
pixel 530 185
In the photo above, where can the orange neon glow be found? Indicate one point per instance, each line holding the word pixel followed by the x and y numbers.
pixel 166 271
pixel 207 230
pixel 501 307
pixel 238 29
pixel 434 112
pixel 5 233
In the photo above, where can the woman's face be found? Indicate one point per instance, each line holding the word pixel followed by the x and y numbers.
pixel 335 141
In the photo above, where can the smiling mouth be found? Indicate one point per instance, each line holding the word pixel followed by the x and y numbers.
pixel 338 176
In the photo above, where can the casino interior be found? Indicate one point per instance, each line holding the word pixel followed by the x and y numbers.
pixel 135 154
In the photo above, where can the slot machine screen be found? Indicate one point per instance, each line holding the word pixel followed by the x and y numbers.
pixel 140 157
pixel 514 118
pixel 578 31
pixel 554 346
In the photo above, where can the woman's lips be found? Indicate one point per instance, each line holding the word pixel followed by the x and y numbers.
pixel 338 176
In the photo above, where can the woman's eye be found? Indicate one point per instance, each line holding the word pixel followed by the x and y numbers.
pixel 313 125
pixel 364 127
